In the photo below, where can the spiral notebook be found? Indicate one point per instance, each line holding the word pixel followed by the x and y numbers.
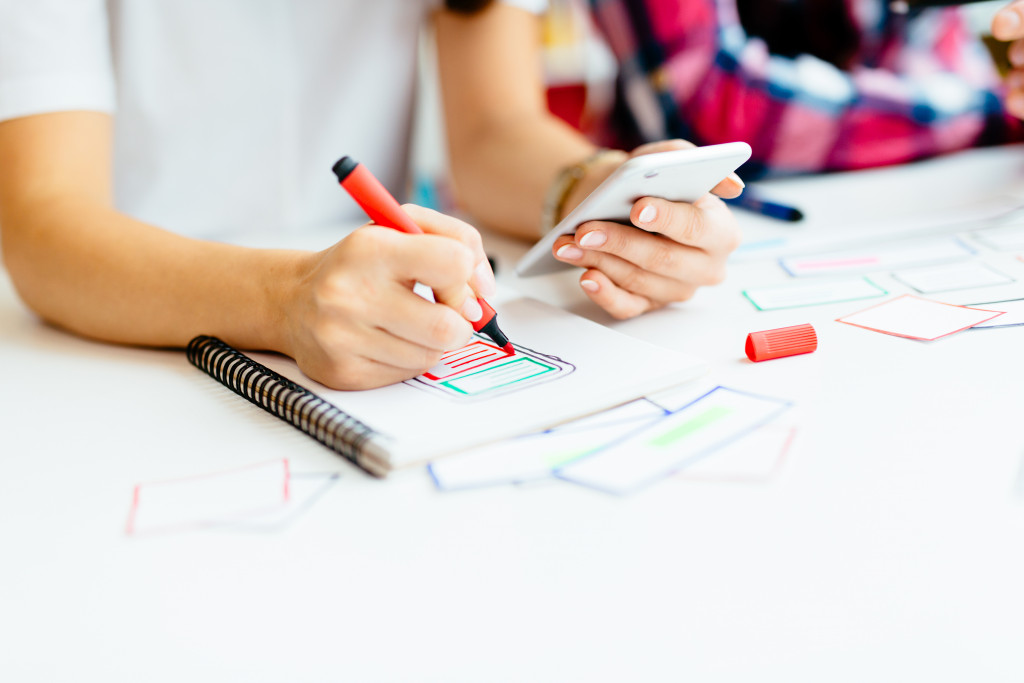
pixel 564 367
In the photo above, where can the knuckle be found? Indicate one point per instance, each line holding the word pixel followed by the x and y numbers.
pixel 618 237
pixel 348 372
pixel 452 260
pixel 462 262
pixel 633 280
pixel 365 240
pixel 344 297
pixel 446 328
pixel 429 358
pixel 419 214
pixel 623 310
pixel 684 292
pixel 664 259
pixel 668 215
pixel 717 274
pixel 469 235
pixel 694 226
pixel 417 358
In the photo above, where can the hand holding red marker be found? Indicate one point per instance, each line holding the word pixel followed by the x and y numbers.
pixel 384 210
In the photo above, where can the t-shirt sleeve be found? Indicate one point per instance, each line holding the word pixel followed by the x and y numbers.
pixel 54 56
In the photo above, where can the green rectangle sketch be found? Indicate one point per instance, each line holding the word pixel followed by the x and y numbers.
pixel 495 377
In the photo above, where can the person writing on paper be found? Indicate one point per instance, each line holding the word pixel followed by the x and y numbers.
pixel 138 140
pixel 820 85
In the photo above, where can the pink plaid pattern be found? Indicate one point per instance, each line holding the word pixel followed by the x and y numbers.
pixel 915 90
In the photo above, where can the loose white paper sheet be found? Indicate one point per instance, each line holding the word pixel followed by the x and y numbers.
pixel 1013 313
pixel 1002 238
pixel 535 456
pixel 883 257
pixel 916 318
pixel 952 276
pixel 756 457
pixel 669 444
pixel 812 293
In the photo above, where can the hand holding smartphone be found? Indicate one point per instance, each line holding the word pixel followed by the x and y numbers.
pixel 683 175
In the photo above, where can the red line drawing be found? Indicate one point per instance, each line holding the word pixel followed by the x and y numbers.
pixel 469 357
pixel 136 491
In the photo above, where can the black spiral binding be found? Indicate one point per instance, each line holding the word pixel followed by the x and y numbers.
pixel 293 403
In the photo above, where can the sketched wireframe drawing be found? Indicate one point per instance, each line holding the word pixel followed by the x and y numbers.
pixel 481 370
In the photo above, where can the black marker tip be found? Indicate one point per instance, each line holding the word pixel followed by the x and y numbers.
pixel 343 167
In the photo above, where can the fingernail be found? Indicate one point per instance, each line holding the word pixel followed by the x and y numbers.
pixel 736 179
pixel 588 285
pixel 471 310
pixel 593 239
pixel 648 214
pixel 483 279
pixel 569 252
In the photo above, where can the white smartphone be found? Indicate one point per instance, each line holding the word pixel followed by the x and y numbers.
pixel 683 175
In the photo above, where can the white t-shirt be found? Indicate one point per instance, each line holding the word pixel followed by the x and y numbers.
pixel 228 113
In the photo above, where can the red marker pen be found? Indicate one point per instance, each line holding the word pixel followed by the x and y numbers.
pixel 383 209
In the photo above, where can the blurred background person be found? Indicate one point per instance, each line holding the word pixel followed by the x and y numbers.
pixel 812 85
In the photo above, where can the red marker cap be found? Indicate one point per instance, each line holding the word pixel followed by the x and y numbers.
pixel 781 342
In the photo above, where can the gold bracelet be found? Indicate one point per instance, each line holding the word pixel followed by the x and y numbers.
pixel 563 185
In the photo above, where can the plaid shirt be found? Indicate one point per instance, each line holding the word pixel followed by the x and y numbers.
pixel 918 87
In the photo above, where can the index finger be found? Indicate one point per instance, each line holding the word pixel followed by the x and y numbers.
pixel 706 224
pixel 729 188
pixel 437 223
pixel 437 261
pixel 1008 23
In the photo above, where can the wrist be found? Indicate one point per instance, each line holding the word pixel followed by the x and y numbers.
pixel 574 182
pixel 595 174
pixel 285 277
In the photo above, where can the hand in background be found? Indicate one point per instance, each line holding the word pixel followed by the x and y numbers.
pixel 680 247
pixel 1008 25
pixel 354 321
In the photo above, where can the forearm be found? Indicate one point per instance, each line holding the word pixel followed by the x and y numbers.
pixel 104 275
pixel 502 173
pixel 505 148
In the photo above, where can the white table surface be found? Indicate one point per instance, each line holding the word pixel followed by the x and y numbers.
pixel 889 548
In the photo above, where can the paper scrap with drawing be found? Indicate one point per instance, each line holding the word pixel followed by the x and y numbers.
pixel 535 456
pixel 916 318
pixel 756 457
pixel 481 369
pixel 263 496
pixel 1003 237
pixel 883 257
pixel 658 450
pixel 1013 314
pixel 952 276
pixel 812 293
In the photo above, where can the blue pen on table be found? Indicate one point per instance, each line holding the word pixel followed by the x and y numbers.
pixel 904 6
pixel 751 202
